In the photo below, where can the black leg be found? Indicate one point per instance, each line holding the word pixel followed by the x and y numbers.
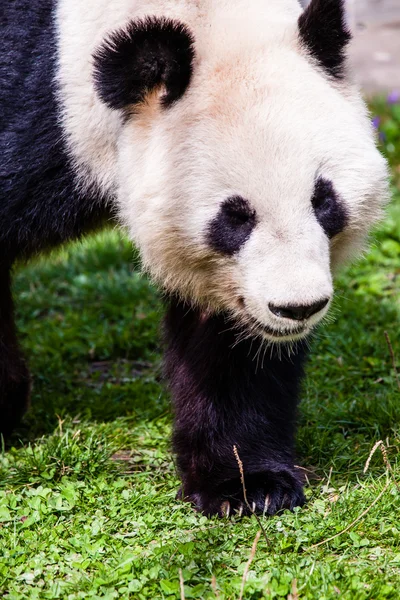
pixel 14 375
pixel 222 399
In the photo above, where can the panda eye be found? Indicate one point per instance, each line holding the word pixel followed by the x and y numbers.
pixel 232 226
pixel 322 196
pixel 239 215
pixel 328 208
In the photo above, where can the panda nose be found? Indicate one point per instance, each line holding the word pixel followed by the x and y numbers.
pixel 300 312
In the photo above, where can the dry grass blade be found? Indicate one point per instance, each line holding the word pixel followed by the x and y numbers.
pixel 294 594
pixel 240 465
pixel 60 424
pixel 389 343
pixel 241 470
pixel 181 584
pixel 374 449
pixel 214 586
pixel 365 512
pixel 248 564
pixel 383 449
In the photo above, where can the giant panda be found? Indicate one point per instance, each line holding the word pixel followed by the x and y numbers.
pixel 229 140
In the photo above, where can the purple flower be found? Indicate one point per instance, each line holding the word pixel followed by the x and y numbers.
pixel 376 121
pixel 393 97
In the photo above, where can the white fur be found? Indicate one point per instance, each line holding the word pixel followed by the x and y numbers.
pixel 260 120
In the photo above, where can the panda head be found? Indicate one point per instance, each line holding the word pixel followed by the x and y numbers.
pixel 247 166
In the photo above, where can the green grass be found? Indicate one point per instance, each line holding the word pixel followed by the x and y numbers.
pixel 87 488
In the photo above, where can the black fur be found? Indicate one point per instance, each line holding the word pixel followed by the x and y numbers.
pixel 223 398
pixel 40 202
pixel 232 226
pixel 145 55
pixel 14 375
pixel 324 32
pixel 328 208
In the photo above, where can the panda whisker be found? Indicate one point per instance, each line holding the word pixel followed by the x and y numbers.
pixel 342 296
pixel 242 336
pixel 258 354
pixel 271 352
pixel 263 358
pixel 251 347
pixel 228 329
pixel 329 319
pixel 308 340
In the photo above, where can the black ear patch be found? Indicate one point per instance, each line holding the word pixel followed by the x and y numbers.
pixel 328 208
pixel 232 226
pixel 141 57
pixel 324 32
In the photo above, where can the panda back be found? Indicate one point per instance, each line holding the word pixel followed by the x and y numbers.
pixel 40 204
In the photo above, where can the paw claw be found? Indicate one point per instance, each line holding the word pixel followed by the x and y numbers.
pixel 266 504
pixel 267 493
pixel 226 509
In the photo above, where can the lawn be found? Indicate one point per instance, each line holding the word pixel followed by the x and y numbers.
pixel 88 484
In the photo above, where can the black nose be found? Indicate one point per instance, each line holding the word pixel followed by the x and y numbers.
pixel 298 313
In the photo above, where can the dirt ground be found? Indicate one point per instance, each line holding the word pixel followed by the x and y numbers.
pixel 375 50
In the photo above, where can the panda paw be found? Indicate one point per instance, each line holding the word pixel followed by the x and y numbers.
pixel 266 494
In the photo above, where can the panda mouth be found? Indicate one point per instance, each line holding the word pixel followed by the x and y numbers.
pixel 281 334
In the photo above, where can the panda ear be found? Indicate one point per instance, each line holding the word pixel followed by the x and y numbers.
pixel 146 55
pixel 324 32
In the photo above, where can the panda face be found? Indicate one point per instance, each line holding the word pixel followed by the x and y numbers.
pixel 246 185
pixel 248 211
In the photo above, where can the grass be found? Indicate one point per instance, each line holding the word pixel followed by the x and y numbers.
pixel 87 487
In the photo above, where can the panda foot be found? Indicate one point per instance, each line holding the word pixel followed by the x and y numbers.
pixel 266 493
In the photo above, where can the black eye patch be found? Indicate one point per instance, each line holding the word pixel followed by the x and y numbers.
pixel 232 226
pixel 328 208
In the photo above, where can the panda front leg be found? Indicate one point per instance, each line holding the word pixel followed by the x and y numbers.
pixel 14 375
pixel 223 397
